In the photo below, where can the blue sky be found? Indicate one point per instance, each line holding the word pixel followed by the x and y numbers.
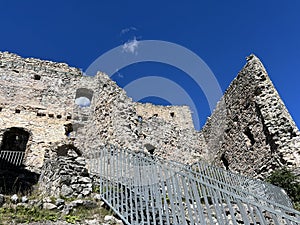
pixel 222 33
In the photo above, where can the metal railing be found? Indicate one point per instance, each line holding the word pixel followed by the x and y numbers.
pixel 239 184
pixel 11 158
pixel 146 190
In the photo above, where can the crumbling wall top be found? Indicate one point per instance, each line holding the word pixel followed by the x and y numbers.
pixel 14 62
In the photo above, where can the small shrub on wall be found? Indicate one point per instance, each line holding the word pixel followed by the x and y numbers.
pixel 285 179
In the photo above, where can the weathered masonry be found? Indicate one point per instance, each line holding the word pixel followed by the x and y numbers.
pixel 258 134
pixel 44 105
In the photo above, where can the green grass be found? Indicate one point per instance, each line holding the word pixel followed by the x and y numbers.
pixel 21 214
pixel 16 214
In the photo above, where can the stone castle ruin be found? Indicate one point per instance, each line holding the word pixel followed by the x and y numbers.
pixel 42 120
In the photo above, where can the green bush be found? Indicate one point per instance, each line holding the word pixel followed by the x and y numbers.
pixel 285 179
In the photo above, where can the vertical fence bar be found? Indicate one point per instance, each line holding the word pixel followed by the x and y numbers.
pixel 123 186
pixel 146 195
pixel 137 173
pixel 130 196
pixel 164 195
pixel 143 201
pixel 170 197
pixel 152 195
pixel 196 193
pixel 206 202
pixel 158 197
pixel 223 205
pixel 260 216
pixel 127 183
pixel 218 206
pixel 250 210
pixel 178 192
pixel 232 214
pixel 243 212
pixel 187 200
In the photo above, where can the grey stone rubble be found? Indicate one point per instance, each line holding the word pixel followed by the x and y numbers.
pixel 65 208
pixel 65 174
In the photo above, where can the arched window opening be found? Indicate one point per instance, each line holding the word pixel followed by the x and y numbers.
pixel 83 97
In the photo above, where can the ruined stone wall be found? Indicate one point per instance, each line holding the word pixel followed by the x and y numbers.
pixel 64 173
pixel 118 121
pixel 259 134
pixel 250 131
pixel 40 96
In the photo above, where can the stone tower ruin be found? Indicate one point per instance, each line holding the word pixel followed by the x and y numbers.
pixel 259 135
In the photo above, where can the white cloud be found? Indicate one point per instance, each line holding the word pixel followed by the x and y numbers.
pixel 120 75
pixel 126 30
pixel 131 46
pixel 83 102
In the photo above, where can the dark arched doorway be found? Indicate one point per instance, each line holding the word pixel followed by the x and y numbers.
pixel 14 178
pixel 15 139
pixel 13 147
